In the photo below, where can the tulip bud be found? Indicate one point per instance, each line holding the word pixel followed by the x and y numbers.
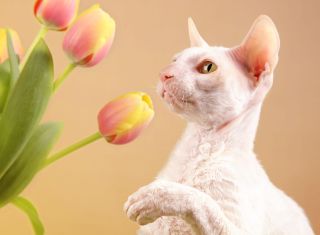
pixel 56 14
pixel 17 46
pixel 89 39
pixel 123 119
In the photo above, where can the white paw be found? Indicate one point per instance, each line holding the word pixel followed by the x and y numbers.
pixel 142 206
pixel 160 198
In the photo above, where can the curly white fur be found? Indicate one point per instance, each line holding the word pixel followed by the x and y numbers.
pixel 213 183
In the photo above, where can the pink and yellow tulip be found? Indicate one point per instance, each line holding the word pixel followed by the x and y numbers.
pixel 56 14
pixel 89 39
pixel 123 119
pixel 3 44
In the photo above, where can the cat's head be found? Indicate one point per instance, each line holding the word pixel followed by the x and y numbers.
pixel 213 85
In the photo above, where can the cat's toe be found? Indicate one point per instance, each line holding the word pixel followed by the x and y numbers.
pixel 144 219
pixel 141 209
pixel 133 211
pixel 132 199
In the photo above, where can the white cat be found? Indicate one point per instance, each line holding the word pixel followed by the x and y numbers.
pixel 213 183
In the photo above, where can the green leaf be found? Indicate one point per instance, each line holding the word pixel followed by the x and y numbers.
pixel 29 161
pixel 13 58
pixel 26 105
pixel 27 207
pixel 4 83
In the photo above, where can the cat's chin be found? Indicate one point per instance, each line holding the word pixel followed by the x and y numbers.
pixel 177 105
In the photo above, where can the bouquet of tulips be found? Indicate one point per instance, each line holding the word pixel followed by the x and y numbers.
pixel 27 83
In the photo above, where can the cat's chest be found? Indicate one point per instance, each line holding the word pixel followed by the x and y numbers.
pixel 226 175
pixel 197 163
pixel 202 166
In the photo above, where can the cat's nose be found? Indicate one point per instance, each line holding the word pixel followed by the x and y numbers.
pixel 166 76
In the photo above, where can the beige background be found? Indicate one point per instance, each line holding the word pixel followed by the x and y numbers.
pixel 84 193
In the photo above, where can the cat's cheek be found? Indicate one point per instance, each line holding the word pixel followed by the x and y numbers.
pixel 207 84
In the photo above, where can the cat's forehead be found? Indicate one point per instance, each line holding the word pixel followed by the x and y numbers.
pixel 198 53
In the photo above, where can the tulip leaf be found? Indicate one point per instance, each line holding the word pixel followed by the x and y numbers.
pixel 4 83
pixel 27 207
pixel 13 58
pixel 29 161
pixel 25 105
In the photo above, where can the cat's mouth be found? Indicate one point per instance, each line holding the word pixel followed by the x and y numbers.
pixel 177 101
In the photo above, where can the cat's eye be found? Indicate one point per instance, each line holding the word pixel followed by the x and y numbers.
pixel 207 67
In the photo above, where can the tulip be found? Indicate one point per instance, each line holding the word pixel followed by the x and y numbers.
pixel 89 39
pixel 120 121
pixel 56 14
pixel 17 46
pixel 123 119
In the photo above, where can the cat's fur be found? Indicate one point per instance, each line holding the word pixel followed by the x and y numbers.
pixel 213 183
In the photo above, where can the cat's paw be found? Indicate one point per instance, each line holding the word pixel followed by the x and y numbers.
pixel 160 198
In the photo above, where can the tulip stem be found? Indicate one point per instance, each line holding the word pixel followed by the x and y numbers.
pixel 63 76
pixel 64 152
pixel 41 34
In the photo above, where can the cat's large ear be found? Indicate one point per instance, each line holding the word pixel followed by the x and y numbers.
pixel 195 38
pixel 260 48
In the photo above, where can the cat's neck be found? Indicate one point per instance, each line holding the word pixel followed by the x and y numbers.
pixel 238 133
pixel 199 142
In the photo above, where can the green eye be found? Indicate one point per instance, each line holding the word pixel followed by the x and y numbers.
pixel 207 67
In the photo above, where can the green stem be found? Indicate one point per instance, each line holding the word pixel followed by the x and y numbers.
pixel 41 34
pixel 28 208
pixel 72 148
pixel 63 76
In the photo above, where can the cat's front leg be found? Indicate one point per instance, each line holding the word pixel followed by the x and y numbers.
pixel 166 198
pixel 160 198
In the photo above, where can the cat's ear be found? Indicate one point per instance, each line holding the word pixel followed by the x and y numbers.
pixel 260 48
pixel 195 38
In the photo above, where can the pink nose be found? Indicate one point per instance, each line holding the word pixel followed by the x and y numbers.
pixel 166 76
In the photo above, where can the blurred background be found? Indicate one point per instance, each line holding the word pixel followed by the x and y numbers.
pixel 84 193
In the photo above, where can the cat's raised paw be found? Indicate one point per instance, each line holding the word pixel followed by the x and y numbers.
pixel 160 198
pixel 143 206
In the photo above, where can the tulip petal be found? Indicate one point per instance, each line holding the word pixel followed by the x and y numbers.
pixel 96 58
pixel 133 133
pixel 114 113
pixel 89 39
pixel 17 45
pixel 56 14
pixel 123 119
